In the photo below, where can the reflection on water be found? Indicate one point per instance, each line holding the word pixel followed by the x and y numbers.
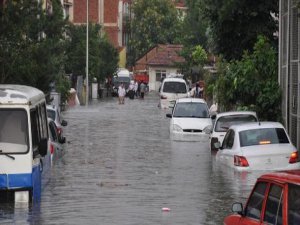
pixel 120 167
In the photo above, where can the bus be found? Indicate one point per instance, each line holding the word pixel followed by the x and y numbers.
pixel 24 153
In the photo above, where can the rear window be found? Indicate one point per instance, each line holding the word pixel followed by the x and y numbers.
pixel 174 87
pixel 263 136
pixel 51 114
pixel 223 123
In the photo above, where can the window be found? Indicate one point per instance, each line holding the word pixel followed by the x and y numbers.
pixel 160 75
pixel 225 122
pixel 39 126
pixel 263 136
pixel 13 131
pixel 273 212
pixel 254 206
pixel 51 114
pixel 53 131
pixel 294 204
pixel 191 109
pixel 228 140
pixel 174 87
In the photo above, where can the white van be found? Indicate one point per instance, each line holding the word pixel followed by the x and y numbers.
pixel 123 76
pixel 24 154
pixel 172 88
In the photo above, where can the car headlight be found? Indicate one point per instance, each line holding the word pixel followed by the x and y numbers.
pixel 207 129
pixel 177 128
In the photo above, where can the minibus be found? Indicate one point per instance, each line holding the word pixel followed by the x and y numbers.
pixel 24 153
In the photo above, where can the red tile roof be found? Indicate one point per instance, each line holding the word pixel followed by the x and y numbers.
pixel 162 55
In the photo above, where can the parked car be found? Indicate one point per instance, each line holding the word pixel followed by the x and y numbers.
pixel 55 143
pixel 190 120
pixel 275 199
pixel 171 89
pixel 223 121
pixel 258 146
pixel 54 114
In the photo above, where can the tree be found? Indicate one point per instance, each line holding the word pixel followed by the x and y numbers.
pixel 103 57
pixel 235 24
pixel 251 83
pixel 31 43
pixel 195 24
pixel 154 22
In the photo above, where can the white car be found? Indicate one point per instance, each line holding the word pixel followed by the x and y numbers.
pixel 190 120
pixel 171 89
pixel 54 114
pixel 222 122
pixel 258 146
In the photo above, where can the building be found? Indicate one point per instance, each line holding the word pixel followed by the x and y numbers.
pixel 159 62
pixel 289 66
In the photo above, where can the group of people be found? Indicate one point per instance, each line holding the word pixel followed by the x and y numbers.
pixel 135 89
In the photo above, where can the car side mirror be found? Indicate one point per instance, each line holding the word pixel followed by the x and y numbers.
pixel 213 117
pixel 64 123
pixel 169 115
pixel 217 145
pixel 43 147
pixel 237 208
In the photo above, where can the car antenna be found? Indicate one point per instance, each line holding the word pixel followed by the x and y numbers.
pixel 259 122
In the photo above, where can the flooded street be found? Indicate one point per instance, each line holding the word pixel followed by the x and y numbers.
pixel 121 168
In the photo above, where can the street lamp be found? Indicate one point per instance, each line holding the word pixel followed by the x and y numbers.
pixel 87 53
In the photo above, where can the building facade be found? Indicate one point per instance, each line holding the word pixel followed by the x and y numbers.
pixel 289 66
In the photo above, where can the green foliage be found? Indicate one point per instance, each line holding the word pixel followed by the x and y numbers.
pixel 154 22
pixel 103 57
pixel 235 24
pixel 31 43
pixel 199 56
pixel 251 83
pixel 195 24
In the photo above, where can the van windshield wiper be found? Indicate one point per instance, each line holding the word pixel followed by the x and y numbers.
pixel 6 154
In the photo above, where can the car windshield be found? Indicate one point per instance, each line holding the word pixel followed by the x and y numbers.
pixel 51 114
pixel 263 136
pixel 13 131
pixel 118 80
pixel 191 109
pixel 224 122
pixel 174 87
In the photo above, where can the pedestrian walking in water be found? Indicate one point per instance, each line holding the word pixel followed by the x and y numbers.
pixel 142 90
pixel 197 92
pixel 121 93
pixel 136 86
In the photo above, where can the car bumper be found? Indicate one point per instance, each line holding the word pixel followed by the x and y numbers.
pixel 293 166
pixel 188 136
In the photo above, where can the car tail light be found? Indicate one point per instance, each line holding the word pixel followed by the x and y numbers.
pixel 59 130
pixel 51 148
pixel 163 97
pixel 294 157
pixel 240 161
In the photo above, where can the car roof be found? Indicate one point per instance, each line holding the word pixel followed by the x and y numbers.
pixel 256 125
pixel 174 79
pixel 232 113
pixel 200 100
pixel 290 176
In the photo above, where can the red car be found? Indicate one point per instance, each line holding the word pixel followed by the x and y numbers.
pixel 275 199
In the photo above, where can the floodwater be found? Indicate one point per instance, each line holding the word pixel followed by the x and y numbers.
pixel 121 168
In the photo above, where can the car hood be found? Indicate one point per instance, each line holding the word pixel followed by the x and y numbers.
pixel 192 123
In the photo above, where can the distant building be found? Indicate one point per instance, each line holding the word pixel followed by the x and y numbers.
pixel 289 66
pixel 159 62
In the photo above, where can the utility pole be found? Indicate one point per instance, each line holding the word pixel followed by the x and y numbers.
pixel 87 53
